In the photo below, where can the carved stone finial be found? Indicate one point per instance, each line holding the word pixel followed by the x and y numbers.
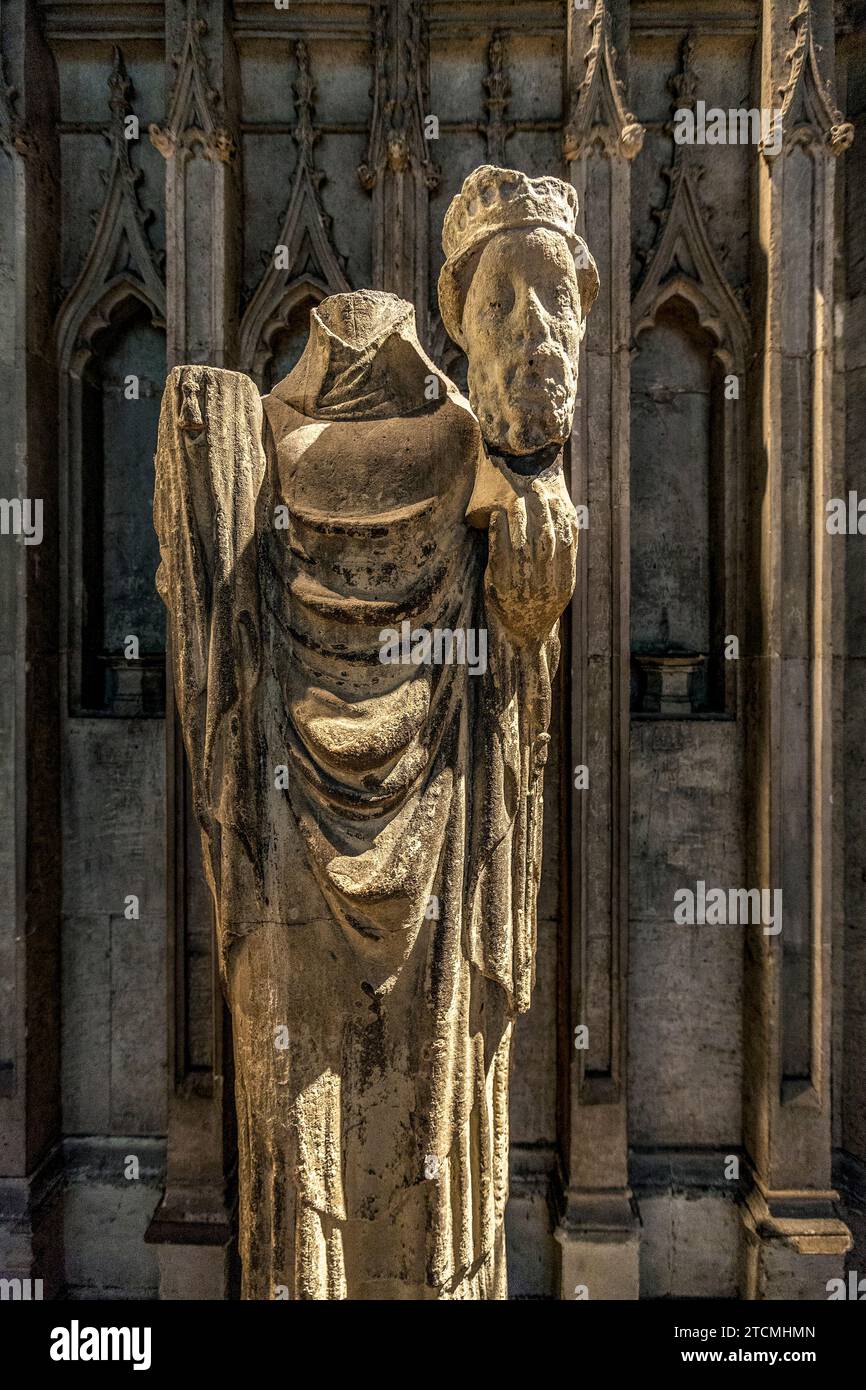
pixel 498 88
pixel 599 117
pixel 14 138
pixel 304 134
pixel 396 142
pixel 683 84
pixel 119 88
pixel 808 113
pixel 194 120
pixel 120 91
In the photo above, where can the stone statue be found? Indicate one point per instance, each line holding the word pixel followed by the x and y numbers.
pixel 364 574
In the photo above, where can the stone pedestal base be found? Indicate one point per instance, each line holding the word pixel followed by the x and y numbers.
pixel 531 1252
pixel 670 684
pixel 598 1243
pixel 196 1254
pixel 198 1272
pixel 31 1232
pixel 792 1246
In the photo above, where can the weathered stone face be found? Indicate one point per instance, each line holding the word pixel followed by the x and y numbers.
pixel 521 324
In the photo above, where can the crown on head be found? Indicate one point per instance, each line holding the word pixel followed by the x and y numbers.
pixel 494 200
pixel 497 200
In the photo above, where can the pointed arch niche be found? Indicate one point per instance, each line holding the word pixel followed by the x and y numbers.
pixel 271 348
pixel 305 266
pixel 111 354
pixel 688 386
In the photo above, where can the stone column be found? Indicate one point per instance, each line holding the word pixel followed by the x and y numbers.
pixel 597 1234
pixel 794 1240
pixel 30 1156
pixel 192 1226
pixel 850 770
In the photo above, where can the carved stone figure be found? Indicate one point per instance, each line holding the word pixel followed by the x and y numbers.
pixel 364 577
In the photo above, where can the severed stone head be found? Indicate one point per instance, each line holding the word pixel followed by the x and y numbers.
pixel 514 292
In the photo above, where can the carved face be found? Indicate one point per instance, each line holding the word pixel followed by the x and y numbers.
pixel 521 323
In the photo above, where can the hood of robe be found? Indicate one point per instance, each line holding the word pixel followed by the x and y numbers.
pixel 363 361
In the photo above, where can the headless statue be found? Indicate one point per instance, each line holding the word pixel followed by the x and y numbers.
pixel 364 574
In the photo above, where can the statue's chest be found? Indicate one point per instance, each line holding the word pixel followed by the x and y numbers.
pixel 376 508
pixel 346 468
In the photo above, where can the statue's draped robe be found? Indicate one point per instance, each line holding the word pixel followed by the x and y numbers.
pixel 371 830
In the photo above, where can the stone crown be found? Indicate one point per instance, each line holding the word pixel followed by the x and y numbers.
pixel 494 200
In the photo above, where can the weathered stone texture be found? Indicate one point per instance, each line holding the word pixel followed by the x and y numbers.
pixel 711 262
pixel 374 1134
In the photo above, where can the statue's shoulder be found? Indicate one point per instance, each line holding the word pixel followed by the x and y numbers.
pixel 457 415
pixel 280 415
pixel 363 363
pixel 435 402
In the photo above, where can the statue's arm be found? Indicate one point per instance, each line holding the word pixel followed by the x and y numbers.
pixel 209 471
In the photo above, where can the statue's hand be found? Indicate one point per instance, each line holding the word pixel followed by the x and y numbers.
pixel 532 557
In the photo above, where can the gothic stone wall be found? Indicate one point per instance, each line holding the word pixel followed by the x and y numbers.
pixel 181 182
